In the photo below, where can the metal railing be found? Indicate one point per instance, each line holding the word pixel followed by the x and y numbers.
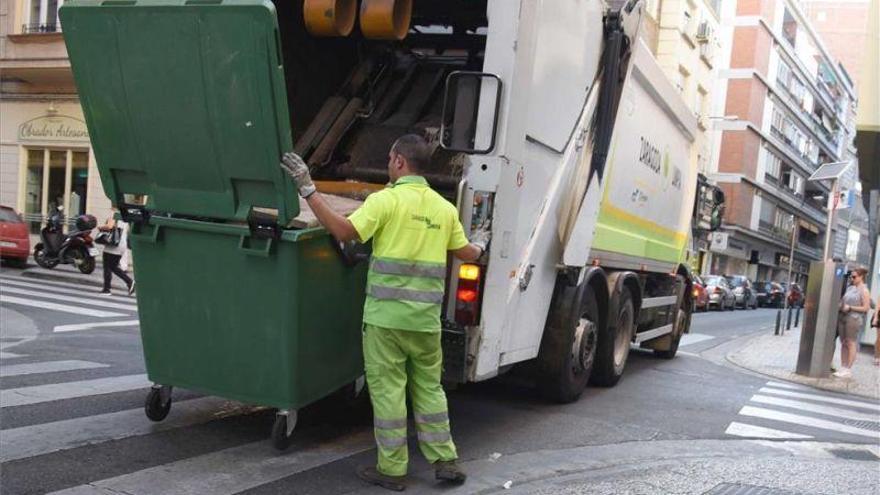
pixel 40 28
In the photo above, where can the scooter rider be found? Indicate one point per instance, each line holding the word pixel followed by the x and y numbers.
pixel 412 228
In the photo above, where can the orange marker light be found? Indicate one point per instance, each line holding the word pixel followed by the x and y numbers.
pixel 469 272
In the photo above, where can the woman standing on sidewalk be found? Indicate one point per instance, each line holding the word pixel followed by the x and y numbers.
pixel 854 305
pixel 113 254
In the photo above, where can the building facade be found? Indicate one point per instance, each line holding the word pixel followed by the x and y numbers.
pixel 789 108
pixel 46 158
pixel 683 36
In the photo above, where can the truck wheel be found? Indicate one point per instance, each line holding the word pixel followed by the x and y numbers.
pixel 614 342
pixel 683 320
pixel 569 346
pixel 158 403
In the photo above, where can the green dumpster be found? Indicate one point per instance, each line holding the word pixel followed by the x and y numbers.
pixel 186 104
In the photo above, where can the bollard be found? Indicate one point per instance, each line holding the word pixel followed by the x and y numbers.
pixel 778 321
pixel 788 319
pixel 797 317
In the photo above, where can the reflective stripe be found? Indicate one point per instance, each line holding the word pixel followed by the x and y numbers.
pixel 431 418
pixel 391 443
pixel 389 424
pixel 425 296
pixel 410 268
pixel 435 436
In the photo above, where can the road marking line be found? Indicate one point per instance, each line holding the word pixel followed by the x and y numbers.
pixel 798 419
pixel 228 471
pixel 816 408
pixel 71 390
pixel 88 326
pixel 822 398
pixel 43 282
pixel 64 308
pixel 752 431
pixel 83 289
pixel 93 301
pixel 790 386
pixel 693 338
pixel 47 367
pixel 29 441
pixel 10 355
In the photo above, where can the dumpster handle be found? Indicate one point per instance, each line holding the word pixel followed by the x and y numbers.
pixel 145 233
pixel 263 252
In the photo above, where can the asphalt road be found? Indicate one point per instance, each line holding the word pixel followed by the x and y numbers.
pixel 72 388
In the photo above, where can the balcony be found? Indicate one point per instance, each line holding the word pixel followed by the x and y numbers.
pixel 40 28
pixel 778 134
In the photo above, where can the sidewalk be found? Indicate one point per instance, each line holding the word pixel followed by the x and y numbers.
pixel 69 274
pixel 776 356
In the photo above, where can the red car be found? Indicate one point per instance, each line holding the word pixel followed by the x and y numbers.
pixel 701 297
pixel 15 245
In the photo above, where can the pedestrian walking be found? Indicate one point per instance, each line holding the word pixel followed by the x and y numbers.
pixel 412 228
pixel 854 305
pixel 114 250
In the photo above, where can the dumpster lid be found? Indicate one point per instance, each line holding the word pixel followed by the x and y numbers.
pixel 185 102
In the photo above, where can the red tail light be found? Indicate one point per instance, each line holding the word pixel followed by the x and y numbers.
pixel 696 292
pixel 467 297
pixel 718 290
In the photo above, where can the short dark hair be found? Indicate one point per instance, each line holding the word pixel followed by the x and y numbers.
pixel 415 149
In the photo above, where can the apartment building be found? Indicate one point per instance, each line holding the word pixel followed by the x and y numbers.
pixel 46 158
pixel 683 35
pixel 788 108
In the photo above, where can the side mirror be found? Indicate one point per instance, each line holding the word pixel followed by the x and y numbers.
pixel 466 94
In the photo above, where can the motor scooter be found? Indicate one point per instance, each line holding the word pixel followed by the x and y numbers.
pixel 75 247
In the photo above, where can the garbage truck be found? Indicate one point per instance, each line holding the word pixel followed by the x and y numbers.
pixel 550 121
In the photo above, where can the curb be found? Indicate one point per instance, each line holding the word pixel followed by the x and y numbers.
pixel 790 376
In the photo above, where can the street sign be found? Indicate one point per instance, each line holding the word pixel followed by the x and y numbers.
pixel 847 200
pixel 831 170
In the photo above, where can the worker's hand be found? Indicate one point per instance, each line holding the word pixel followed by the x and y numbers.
pixel 482 236
pixel 297 169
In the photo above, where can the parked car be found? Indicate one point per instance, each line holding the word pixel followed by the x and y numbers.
pixel 15 245
pixel 700 295
pixel 795 296
pixel 769 294
pixel 720 294
pixel 743 291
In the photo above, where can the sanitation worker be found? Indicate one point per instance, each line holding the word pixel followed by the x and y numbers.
pixel 413 228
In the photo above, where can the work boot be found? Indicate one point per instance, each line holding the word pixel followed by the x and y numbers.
pixel 449 471
pixel 372 476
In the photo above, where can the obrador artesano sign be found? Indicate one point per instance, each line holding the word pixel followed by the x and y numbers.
pixel 54 128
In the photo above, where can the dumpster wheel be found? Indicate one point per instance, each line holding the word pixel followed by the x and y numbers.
pixel 158 402
pixel 282 430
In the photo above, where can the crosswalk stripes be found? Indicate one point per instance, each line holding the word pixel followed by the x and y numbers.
pixel 778 408
pixel 69 390
pixel 47 367
pixel 69 298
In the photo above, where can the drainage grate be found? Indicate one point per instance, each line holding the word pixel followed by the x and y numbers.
pixel 867 425
pixel 741 489
pixel 854 454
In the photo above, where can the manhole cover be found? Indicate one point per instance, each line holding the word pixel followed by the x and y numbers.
pixel 741 489
pixel 867 425
pixel 854 454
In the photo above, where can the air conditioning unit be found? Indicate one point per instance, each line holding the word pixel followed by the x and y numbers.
pixel 704 32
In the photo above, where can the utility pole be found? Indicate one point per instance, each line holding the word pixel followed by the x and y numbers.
pixel 833 198
pixel 790 260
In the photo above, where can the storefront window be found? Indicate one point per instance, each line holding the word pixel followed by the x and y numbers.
pixel 55 178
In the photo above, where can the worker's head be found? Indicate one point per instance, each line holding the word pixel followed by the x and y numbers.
pixel 409 155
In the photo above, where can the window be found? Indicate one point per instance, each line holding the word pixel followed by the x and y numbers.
pixel 773 167
pixel 54 177
pixel 42 17
pixel 789 28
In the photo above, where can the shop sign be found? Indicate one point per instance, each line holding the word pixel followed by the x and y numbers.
pixel 54 128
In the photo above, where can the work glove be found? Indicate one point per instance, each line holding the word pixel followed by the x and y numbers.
pixel 297 169
pixel 481 236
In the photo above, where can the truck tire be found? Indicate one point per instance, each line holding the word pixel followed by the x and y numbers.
pixel 683 321
pixel 614 342
pixel 568 348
